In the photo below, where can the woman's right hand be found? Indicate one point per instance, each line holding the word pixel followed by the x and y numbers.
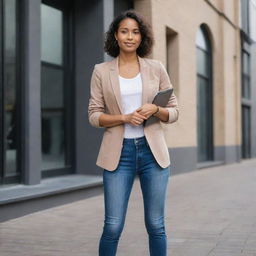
pixel 134 118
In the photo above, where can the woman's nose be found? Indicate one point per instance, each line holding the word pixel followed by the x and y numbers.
pixel 130 35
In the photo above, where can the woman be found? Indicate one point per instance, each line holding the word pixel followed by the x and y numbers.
pixel 121 94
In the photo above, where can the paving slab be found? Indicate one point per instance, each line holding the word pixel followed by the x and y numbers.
pixel 209 212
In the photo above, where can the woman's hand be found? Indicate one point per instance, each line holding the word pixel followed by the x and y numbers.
pixel 134 118
pixel 147 110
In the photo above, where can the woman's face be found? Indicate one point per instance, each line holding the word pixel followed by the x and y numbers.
pixel 128 35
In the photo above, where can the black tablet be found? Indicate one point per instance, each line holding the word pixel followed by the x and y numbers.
pixel 162 97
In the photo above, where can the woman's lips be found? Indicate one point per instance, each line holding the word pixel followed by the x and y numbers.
pixel 129 44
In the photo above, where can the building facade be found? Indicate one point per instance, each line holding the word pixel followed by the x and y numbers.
pixel 210 58
pixel 48 49
pixel 248 78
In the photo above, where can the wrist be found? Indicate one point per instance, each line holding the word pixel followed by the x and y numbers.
pixel 123 118
pixel 156 111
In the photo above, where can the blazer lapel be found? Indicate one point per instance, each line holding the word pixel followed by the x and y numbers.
pixel 114 73
pixel 144 72
pixel 114 78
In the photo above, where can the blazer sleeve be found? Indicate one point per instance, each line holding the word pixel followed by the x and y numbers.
pixel 172 105
pixel 96 101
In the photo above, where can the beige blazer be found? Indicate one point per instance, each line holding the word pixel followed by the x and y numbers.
pixel 106 98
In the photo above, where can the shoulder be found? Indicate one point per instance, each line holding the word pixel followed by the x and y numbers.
pixel 153 63
pixel 103 66
pixel 101 70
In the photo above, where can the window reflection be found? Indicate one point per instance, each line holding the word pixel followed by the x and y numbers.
pixel 52 88
pixel 52 118
pixel 204 98
pixel 52 33
pixel 246 130
pixel 10 83
pixel 246 75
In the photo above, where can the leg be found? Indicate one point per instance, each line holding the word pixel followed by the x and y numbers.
pixel 117 189
pixel 154 183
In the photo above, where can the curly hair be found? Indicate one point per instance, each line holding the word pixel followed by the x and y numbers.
pixel 147 40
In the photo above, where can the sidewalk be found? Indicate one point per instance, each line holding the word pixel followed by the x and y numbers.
pixel 210 212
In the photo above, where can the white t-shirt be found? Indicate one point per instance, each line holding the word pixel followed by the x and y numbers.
pixel 131 94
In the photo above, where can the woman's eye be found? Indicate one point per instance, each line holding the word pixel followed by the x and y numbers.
pixel 135 32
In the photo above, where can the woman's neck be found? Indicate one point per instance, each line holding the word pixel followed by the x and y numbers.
pixel 127 58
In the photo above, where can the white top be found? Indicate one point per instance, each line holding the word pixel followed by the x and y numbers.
pixel 131 94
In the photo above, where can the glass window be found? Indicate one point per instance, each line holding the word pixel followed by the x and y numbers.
pixel 54 86
pixel 246 90
pixel 245 15
pixel 200 40
pixel 52 35
pixel 202 64
pixel 246 130
pixel 253 19
pixel 52 118
pixel 9 122
pixel 246 105
pixel 204 97
pixel 246 69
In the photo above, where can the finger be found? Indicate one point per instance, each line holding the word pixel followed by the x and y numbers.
pixel 147 113
pixel 140 112
pixel 135 123
pixel 141 115
pixel 137 119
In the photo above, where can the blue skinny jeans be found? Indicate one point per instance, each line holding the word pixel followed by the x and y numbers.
pixel 136 158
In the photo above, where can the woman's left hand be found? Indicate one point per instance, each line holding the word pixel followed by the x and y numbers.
pixel 147 110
